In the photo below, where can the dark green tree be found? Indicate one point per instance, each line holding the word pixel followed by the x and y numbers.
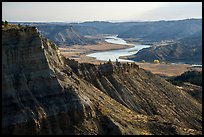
pixel 6 22
pixel 109 61
pixel 117 62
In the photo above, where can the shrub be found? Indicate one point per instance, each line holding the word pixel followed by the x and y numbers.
pixel 143 61
pixel 156 61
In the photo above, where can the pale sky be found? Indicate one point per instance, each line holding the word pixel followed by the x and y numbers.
pixel 99 11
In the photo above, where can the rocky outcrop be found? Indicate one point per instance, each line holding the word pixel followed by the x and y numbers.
pixel 44 93
pixel 143 92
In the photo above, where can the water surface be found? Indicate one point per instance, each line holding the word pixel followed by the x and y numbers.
pixel 115 54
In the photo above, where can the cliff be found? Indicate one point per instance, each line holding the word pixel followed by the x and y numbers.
pixel 44 93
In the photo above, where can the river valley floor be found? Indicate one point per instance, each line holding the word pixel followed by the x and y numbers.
pixel 78 53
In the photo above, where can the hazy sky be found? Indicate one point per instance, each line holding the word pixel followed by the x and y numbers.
pixel 99 11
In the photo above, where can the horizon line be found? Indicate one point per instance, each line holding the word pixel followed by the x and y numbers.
pixel 111 21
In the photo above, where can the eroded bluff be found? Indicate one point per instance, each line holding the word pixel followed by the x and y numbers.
pixel 44 93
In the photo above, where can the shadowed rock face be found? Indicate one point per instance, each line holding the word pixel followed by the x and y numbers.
pixel 44 93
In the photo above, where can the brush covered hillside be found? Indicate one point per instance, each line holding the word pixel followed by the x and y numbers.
pixel 45 93
pixel 64 35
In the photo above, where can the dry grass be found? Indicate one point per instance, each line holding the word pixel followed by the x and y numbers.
pixel 167 69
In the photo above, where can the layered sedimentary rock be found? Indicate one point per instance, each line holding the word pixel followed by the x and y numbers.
pixel 44 93
pixel 143 92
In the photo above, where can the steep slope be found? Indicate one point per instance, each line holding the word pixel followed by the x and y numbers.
pixel 41 94
pixel 86 30
pixel 64 35
pixel 194 90
pixel 191 82
pixel 143 92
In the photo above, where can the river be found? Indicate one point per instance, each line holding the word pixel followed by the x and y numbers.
pixel 115 54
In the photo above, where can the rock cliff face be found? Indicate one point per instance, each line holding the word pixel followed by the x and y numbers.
pixel 44 93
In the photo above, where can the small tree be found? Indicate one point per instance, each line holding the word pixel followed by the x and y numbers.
pixel 117 62
pixel 6 23
pixel 3 22
pixel 109 61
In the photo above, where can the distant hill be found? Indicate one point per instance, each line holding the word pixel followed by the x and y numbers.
pixel 194 77
pixel 64 35
pixel 186 50
pixel 149 30
pixel 163 30
pixel 186 37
